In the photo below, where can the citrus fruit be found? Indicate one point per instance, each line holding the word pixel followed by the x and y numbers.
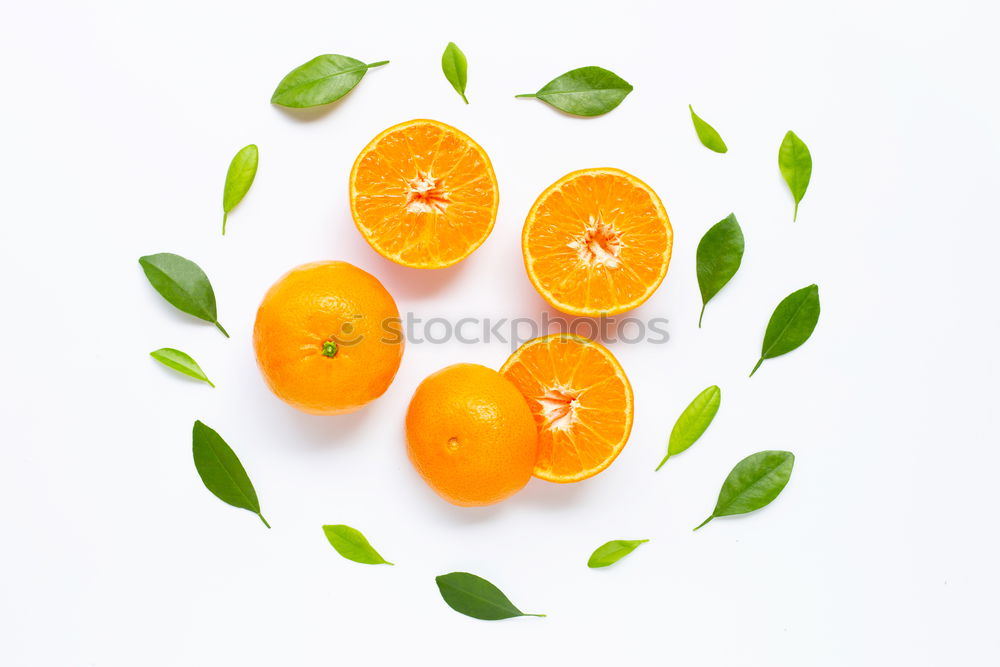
pixel 581 401
pixel 597 242
pixel 424 194
pixel 470 435
pixel 328 338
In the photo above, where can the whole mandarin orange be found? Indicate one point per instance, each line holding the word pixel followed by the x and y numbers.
pixel 328 338
pixel 471 435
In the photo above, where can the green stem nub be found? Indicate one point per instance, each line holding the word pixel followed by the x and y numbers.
pixel 329 349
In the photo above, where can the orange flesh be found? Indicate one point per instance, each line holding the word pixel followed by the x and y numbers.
pixel 598 241
pixel 424 194
pixel 581 401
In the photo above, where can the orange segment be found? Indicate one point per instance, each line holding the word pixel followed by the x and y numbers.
pixel 597 241
pixel 581 401
pixel 424 194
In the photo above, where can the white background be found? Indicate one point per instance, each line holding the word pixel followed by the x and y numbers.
pixel 119 120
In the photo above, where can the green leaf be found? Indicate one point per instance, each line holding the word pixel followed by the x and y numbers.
pixel 352 545
pixel 707 134
pixel 611 552
pixel 587 91
pixel 720 253
pixel 183 284
pixel 753 483
pixel 791 324
pixel 796 166
pixel 222 472
pixel 455 68
pixel 322 80
pixel 180 362
pixel 239 178
pixel 474 596
pixel 693 421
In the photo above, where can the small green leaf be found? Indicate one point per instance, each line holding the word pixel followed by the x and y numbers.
pixel 707 134
pixel 455 68
pixel 183 284
pixel 474 596
pixel 221 471
pixel 791 324
pixel 720 253
pixel 796 166
pixel 322 80
pixel 180 362
pixel 352 545
pixel 586 91
pixel 693 421
pixel 239 178
pixel 753 483
pixel 611 552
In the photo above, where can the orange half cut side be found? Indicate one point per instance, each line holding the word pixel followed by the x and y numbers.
pixel 597 242
pixel 581 400
pixel 424 194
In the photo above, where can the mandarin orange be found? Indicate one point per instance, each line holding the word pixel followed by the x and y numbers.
pixel 597 242
pixel 471 435
pixel 581 401
pixel 328 338
pixel 424 194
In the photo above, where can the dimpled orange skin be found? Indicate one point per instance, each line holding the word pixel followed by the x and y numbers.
pixel 471 435
pixel 323 302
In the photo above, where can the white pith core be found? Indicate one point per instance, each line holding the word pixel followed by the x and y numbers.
pixel 599 245
pixel 426 194
pixel 559 407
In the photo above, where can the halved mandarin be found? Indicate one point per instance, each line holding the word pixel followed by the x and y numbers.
pixel 581 401
pixel 597 242
pixel 424 194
